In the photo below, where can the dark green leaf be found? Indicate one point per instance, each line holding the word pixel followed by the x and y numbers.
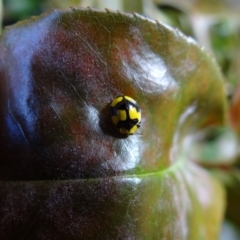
pixel 58 74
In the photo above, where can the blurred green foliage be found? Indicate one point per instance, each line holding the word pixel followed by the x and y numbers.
pixel 15 10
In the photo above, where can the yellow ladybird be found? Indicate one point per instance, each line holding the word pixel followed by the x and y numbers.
pixel 125 114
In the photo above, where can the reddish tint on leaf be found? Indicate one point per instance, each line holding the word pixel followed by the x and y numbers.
pixel 60 72
pixel 235 110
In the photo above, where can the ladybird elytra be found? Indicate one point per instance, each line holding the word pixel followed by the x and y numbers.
pixel 125 114
pixel 122 115
pixel 115 120
pixel 116 101
pixel 134 114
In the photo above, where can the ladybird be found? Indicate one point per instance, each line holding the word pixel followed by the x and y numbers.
pixel 125 114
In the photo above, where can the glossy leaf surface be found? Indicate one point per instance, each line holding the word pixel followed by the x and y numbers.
pixel 58 73
pixel 177 204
